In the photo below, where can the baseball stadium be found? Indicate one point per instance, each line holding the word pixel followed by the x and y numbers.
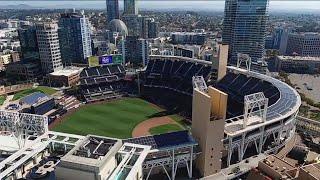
pixel 190 114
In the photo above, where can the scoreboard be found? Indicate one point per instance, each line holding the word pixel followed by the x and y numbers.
pixel 106 59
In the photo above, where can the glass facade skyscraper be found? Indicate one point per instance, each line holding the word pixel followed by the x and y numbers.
pixel 112 10
pixel 74 38
pixel 29 43
pixel 130 7
pixel 244 28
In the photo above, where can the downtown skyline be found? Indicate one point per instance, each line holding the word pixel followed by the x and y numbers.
pixel 275 6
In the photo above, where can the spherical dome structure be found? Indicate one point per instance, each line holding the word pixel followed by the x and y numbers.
pixel 119 26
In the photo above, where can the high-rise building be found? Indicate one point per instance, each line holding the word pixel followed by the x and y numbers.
pixel 29 43
pixel 277 34
pixel 135 50
pixel 188 38
pixel 141 26
pixel 284 40
pixel 153 28
pixel 278 38
pixel 244 28
pixel 112 10
pixel 269 42
pixel 134 24
pixel 145 27
pixel 49 48
pixel 75 39
pixel 130 7
pixel 303 44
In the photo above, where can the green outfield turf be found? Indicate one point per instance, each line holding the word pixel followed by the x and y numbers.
pixel 113 119
pixel 43 89
pixel 2 99
pixel 165 129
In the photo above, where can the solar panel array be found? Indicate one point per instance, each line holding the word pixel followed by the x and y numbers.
pixel 174 75
pixel 166 140
pixel 33 98
pixel 282 98
pixel 285 104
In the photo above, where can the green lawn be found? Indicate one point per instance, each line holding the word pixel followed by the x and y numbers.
pixel 181 121
pixel 165 129
pixel 2 99
pixel 113 119
pixel 43 89
pixel 46 90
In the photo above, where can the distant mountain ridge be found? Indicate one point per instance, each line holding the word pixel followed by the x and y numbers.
pixel 19 6
pixel 155 5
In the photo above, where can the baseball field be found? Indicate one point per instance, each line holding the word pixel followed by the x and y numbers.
pixel 118 119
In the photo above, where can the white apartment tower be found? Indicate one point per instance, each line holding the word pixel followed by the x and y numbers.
pixel 49 48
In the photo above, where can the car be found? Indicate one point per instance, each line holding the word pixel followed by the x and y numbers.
pixel 235 170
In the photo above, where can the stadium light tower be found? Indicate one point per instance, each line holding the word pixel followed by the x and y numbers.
pixel 252 102
pixel 199 83
pixel 244 58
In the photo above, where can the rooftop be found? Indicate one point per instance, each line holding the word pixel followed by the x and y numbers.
pixel 307 34
pixel 298 58
pixel 188 33
pixel 276 164
pixel 313 170
pixel 34 98
pixel 9 143
pixel 95 147
pixel 67 71
pixel 71 15
pixel 92 151
pixel 165 141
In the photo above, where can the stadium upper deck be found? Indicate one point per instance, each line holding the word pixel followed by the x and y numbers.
pixel 263 124
pixel 175 73
pixel 284 101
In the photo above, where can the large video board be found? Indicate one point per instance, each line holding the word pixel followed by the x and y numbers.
pixel 105 59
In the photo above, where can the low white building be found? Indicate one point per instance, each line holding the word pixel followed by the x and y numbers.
pixel 298 64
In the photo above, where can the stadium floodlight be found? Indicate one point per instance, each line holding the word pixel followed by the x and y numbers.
pixel 255 105
pixel 199 83
pixel 244 58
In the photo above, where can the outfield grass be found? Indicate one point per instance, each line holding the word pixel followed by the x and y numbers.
pixel 165 129
pixel 112 119
pixel 2 99
pixel 181 121
pixel 43 89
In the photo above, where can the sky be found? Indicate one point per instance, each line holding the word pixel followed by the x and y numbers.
pixel 275 5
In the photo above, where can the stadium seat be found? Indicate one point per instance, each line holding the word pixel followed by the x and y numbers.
pixel 237 86
pixel 102 82
pixel 174 75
